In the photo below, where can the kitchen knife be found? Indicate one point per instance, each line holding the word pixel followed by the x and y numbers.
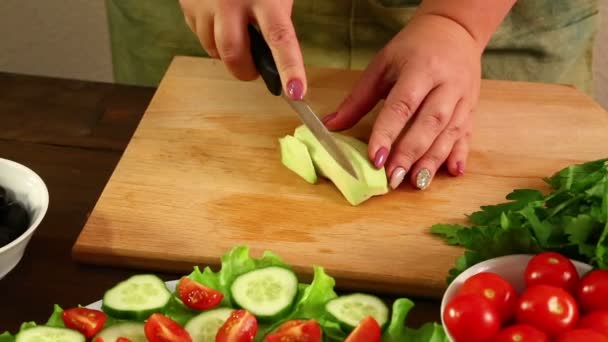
pixel 264 62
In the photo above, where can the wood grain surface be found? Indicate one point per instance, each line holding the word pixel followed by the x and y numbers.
pixel 202 174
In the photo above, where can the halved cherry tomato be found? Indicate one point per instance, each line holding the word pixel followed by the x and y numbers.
pixel 297 331
pixel 548 308
pixel 471 318
pixel 87 321
pixel 368 330
pixel 592 292
pixel 122 339
pixel 597 320
pixel 551 268
pixel 494 288
pixel 160 328
pixel 241 326
pixel 581 335
pixel 521 333
pixel 198 296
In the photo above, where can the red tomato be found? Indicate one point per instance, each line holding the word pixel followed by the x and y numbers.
pixel 521 333
pixel 471 318
pixel 548 308
pixel 597 320
pixel 87 321
pixel 368 330
pixel 122 339
pixel 581 335
pixel 198 296
pixel 592 292
pixel 494 288
pixel 241 326
pixel 297 331
pixel 550 268
pixel 160 328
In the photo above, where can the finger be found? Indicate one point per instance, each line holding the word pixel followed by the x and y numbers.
pixel 205 31
pixel 424 170
pixel 369 89
pixel 232 41
pixel 275 23
pixel 457 160
pixel 433 116
pixel 400 105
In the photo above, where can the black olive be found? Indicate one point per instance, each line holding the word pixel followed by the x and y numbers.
pixel 5 235
pixel 17 219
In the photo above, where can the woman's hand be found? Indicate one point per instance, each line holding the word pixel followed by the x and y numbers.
pixel 430 75
pixel 221 26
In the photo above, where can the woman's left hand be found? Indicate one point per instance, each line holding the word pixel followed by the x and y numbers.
pixel 430 75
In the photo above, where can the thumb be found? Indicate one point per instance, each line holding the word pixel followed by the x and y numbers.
pixel 369 89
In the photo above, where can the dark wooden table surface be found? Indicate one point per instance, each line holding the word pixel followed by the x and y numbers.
pixel 72 133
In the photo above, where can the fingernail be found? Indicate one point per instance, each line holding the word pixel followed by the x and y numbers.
pixel 329 118
pixel 423 179
pixel 397 177
pixel 295 89
pixel 460 168
pixel 380 157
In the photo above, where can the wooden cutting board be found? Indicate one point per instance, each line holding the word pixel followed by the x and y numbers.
pixel 202 174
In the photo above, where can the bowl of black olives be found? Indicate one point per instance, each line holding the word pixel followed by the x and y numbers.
pixel 24 200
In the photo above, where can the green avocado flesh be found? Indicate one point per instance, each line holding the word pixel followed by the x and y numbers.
pixel 295 157
pixel 371 182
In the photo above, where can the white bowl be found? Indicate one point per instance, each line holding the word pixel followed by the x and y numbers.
pixel 510 267
pixel 25 186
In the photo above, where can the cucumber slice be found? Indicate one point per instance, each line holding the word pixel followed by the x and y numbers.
pixel 134 331
pixel 49 334
pixel 136 298
pixel 266 292
pixel 350 309
pixel 204 326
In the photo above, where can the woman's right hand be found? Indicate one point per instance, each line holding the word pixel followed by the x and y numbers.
pixel 221 27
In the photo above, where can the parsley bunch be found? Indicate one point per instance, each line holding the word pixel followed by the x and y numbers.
pixel 572 219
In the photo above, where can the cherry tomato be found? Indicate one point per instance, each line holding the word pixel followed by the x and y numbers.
pixel 368 330
pixel 581 335
pixel 160 328
pixel 296 331
pixel 592 292
pixel 241 326
pixel 471 318
pixel 550 268
pixel 494 288
pixel 198 296
pixel 87 321
pixel 597 320
pixel 521 333
pixel 122 339
pixel 548 308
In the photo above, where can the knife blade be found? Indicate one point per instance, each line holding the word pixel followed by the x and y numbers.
pixel 264 62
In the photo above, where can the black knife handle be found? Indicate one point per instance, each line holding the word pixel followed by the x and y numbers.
pixel 264 62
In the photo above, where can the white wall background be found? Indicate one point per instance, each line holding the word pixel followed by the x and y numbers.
pixel 59 38
pixel 69 38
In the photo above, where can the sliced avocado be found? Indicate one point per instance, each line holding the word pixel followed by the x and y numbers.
pixel 371 182
pixel 295 156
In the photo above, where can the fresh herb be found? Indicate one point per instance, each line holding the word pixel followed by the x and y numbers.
pixel 571 219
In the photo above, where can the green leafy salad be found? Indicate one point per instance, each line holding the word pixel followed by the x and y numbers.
pixel 248 299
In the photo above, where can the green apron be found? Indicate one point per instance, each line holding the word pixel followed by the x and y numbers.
pixel 539 40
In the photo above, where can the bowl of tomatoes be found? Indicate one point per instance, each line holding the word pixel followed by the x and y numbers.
pixel 520 298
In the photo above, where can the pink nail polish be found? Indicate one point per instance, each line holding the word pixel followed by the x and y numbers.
pixel 328 118
pixel 460 168
pixel 295 89
pixel 380 157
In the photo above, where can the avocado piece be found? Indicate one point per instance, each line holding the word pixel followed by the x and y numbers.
pixel 371 182
pixel 295 156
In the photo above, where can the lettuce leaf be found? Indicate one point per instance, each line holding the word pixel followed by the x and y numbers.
pixel 55 320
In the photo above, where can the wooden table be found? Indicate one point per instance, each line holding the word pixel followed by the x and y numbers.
pixel 72 133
